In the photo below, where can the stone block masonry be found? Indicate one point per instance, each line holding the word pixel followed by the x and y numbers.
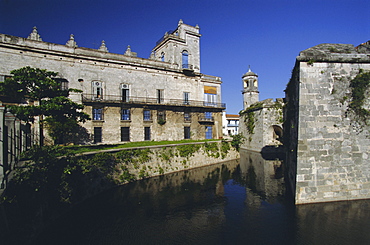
pixel 327 143
pixel 261 125
pixel 142 162
pixel 164 97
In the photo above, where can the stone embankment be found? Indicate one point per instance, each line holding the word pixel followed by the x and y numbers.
pixel 94 172
pixel 142 162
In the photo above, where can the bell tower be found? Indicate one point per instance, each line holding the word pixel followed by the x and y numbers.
pixel 250 88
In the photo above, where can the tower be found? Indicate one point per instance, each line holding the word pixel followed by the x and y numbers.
pixel 250 88
pixel 180 47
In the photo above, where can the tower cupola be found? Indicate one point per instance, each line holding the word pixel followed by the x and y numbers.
pixel 250 88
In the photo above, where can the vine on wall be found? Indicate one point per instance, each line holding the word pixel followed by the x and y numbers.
pixel 249 118
pixel 360 86
pixel 250 123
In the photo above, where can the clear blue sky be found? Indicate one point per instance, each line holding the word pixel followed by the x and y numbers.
pixel 265 34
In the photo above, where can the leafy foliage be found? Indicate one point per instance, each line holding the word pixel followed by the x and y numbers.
pixel 360 85
pixel 211 149
pixel 250 122
pixel 161 121
pixel 33 84
pixel 60 179
pixel 62 117
pixel 237 141
pixel 187 150
pixel 225 148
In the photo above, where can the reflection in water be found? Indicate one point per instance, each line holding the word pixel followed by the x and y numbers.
pixel 227 203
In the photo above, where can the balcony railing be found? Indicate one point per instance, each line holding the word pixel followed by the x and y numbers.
pixel 187 66
pixel 206 119
pixel 89 98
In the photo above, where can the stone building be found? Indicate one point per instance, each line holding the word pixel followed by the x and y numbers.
pixel 326 137
pixel 260 121
pixel 164 97
pixel 230 124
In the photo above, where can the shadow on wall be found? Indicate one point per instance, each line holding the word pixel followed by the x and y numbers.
pixel 273 152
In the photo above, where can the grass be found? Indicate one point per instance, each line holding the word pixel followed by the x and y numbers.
pixel 89 148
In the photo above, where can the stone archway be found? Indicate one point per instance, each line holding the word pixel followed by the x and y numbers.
pixel 276 133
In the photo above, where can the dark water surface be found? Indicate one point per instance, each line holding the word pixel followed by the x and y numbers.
pixel 228 203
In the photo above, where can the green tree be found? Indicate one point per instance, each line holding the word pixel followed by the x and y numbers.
pixel 39 93
pixel 62 117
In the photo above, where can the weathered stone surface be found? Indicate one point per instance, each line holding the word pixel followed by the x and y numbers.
pixel 83 67
pixel 328 145
pixel 267 118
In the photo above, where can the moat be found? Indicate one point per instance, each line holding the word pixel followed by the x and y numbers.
pixel 228 203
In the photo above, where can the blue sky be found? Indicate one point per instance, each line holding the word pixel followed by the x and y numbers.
pixel 265 34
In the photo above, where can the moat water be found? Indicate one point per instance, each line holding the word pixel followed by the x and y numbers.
pixel 236 202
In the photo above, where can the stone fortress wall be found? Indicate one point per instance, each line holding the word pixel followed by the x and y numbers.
pixel 327 143
pixel 260 121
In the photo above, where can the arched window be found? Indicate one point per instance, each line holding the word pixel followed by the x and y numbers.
pixel 162 57
pixel 185 59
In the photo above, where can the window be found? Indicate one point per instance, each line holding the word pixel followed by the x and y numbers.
pixel 146 133
pixel 63 83
pixel 161 116
pixel 3 78
pixel 208 132
pixel 97 134
pixel 125 114
pixel 125 133
pixel 208 115
pixel 97 114
pixel 125 93
pixel 159 96
pixel 186 132
pixel 187 117
pixel 210 99
pixel 147 115
pixel 186 98
pixel 162 57
pixel 97 88
pixel 185 59
pixel 210 96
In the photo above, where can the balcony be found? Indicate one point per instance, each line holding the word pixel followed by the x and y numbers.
pixel 113 99
pixel 187 67
pixel 188 70
pixel 206 119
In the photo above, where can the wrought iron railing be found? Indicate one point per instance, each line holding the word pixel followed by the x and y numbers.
pixel 187 66
pixel 170 32
pixel 89 98
pixel 206 119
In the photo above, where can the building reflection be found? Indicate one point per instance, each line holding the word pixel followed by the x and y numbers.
pixel 263 178
pixel 233 202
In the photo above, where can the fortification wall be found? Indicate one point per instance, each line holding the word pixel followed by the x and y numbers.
pixel 258 124
pixel 329 142
pixel 149 161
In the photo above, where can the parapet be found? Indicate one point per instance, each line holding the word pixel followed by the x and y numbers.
pixel 329 52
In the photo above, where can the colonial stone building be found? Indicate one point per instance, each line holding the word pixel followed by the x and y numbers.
pixel 164 97
pixel 260 121
pixel 326 137
pixel 230 124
